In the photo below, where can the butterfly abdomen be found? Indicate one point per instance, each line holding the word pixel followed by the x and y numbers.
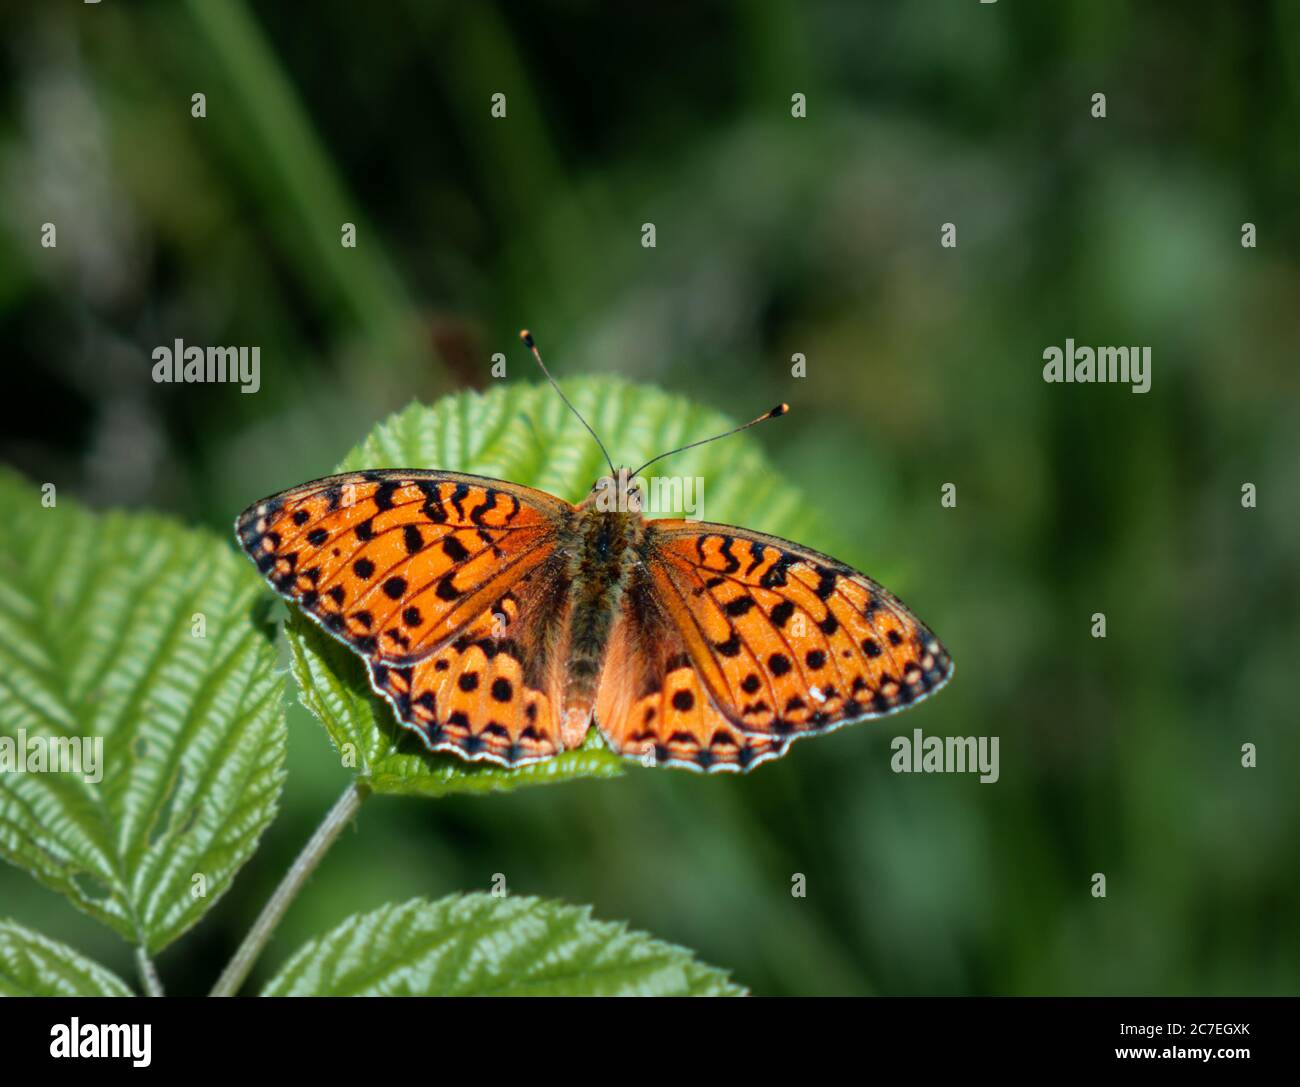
pixel 602 556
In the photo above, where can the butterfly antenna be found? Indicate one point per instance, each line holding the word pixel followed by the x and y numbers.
pixel 531 344
pixel 775 413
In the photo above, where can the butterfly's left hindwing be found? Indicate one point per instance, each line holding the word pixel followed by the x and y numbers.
pixel 396 563
pixel 494 692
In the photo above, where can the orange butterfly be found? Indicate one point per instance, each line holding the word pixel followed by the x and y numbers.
pixel 496 619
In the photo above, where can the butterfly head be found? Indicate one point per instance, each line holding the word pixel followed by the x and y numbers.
pixel 620 492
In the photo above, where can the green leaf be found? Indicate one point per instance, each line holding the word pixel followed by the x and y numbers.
pixel 523 433
pixel 100 643
pixel 477 945
pixel 34 965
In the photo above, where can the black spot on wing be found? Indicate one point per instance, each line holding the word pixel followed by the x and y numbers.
pixel 729 648
pixel 781 613
pixel 826 581
pixel 487 507
pixel 432 507
pixel 733 563
pixel 775 577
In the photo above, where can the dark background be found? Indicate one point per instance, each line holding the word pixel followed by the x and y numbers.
pixel 775 236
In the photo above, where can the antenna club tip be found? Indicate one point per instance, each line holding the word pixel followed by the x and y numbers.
pixel 527 337
pixel 780 409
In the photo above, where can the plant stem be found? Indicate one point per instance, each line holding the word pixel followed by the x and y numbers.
pixel 277 905
pixel 148 974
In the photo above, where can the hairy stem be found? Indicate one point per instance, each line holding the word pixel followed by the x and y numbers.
pixel 149 980
pixel 237 970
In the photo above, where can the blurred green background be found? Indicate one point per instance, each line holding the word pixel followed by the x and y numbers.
pixel 775 235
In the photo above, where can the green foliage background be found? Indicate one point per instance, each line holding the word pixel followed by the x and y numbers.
pixel 775 236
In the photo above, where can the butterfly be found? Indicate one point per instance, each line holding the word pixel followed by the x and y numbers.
pixel 500 622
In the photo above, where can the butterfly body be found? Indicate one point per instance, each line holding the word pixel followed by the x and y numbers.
pixel 500 621
pixel 603 550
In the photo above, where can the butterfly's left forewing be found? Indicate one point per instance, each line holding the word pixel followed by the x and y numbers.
pixel 395 563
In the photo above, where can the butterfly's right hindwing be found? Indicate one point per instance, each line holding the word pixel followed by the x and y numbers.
pixel 651 703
